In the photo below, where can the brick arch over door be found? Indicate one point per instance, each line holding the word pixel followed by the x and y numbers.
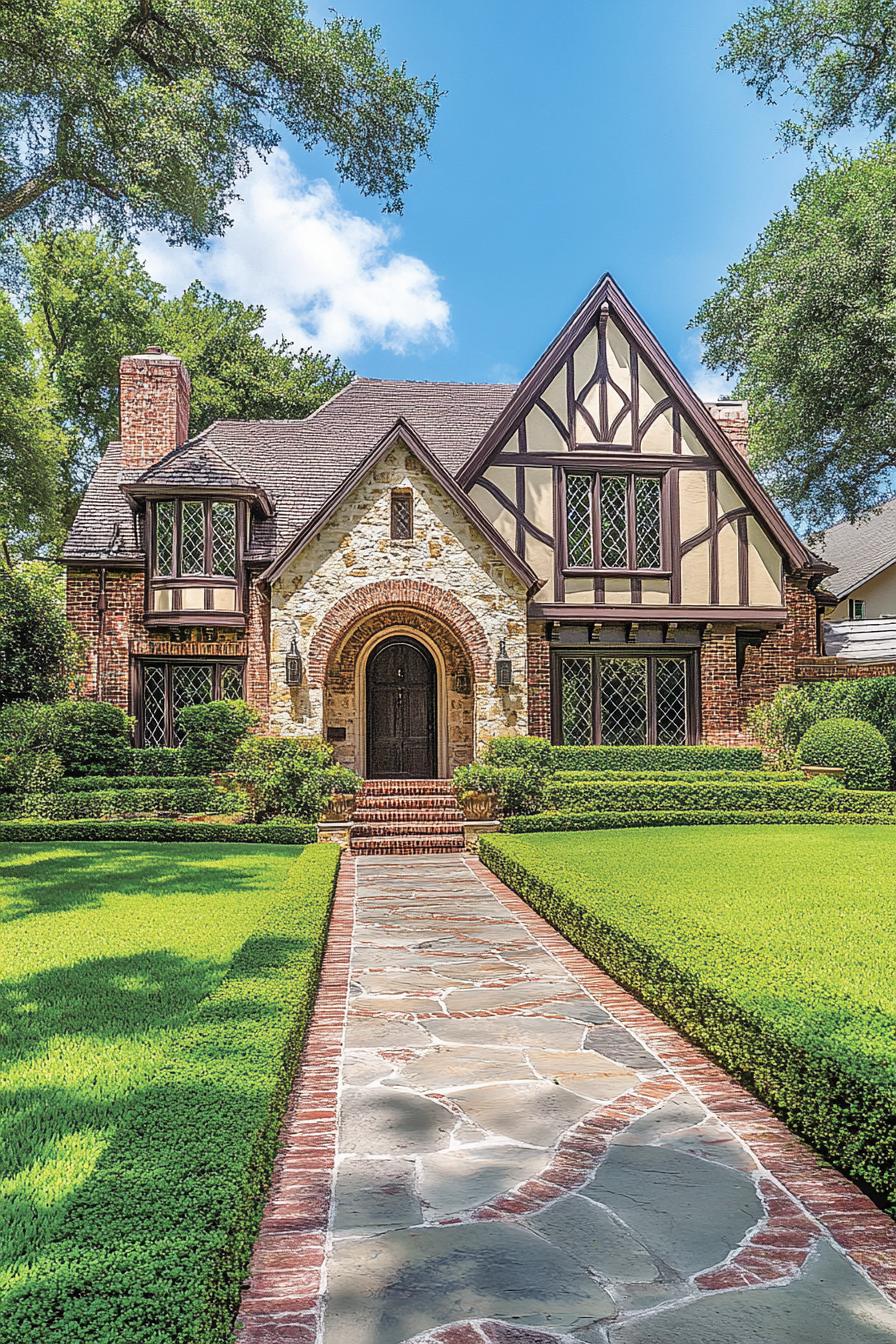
pixel 391 593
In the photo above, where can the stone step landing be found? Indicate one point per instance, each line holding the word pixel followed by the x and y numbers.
pixel 407 816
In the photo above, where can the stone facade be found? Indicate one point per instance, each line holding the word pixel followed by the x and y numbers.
pixel 447 585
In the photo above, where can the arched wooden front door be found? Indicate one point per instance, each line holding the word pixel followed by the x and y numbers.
pixel 401 711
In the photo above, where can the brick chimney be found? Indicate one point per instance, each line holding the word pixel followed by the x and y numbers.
pixel 733 417
pixel 154 407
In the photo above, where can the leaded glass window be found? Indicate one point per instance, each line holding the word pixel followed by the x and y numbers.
pixel 224 538
pixel 577 701
pixel 647 523
pixel 579 542
pixel 613 522
pixel 671 702
pixel 169 687
pixel 623 701
pixel 402 516
pixel 164 559
pixel 154 722
pixel 231 683
pixel 192 538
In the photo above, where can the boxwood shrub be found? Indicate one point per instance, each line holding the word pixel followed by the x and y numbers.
pixel 738 776
pixel 856 747
pixel 124 802
pixel 213 732
pixel 656 758
pixel 155 1245
pixel 88 783
pixel 284 832
pixel 609 821
pixel 650 795
pixel 156 761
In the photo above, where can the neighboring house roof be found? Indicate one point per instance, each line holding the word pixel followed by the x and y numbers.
pixel 401 432
pixel 860 550
pixel 299 463
pixel 861 641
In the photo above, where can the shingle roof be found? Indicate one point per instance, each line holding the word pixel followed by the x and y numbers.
pixel 299 463
pixel 860 549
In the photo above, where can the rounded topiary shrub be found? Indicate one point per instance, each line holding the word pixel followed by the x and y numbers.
pixel 852 744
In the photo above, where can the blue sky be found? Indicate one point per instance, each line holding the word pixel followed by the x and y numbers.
pixel 573 138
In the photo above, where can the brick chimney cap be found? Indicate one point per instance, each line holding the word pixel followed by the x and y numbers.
pixel 154 350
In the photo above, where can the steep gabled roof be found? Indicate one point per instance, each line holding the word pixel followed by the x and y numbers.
pixel 401 432
pixel 607 293
pixel 860 550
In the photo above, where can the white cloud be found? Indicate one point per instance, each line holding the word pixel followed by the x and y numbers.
pixel 327 277
pixel 709 384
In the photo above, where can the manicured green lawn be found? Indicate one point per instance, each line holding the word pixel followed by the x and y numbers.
pixel 773 946
pixel 130 1037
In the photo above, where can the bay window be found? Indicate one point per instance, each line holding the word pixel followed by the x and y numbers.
pixel 614 522
pixel 195 556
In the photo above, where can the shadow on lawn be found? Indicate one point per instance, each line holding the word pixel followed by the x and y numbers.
pixel 180 1151
pixel 74 878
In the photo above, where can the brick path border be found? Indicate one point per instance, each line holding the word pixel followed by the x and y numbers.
pixel 864 1234
pixel 282 1301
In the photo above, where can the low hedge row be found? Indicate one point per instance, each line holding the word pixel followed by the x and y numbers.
pixel 88 783
pixel 815 1070
pixel 155 1245
pixel 737 776
pixel 115 803
pixel 608 821
pixel 656 758
pixel 159 761
pixel 247 833
pixel 648 795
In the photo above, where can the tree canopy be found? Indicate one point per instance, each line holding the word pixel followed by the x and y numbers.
pixel 835 60
pixel 39 650
pixel 85 302
pixel 807 321
pixel 143 114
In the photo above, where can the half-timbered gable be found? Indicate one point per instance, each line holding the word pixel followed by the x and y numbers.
pixel 617 486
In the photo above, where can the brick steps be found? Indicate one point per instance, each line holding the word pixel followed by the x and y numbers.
pixel 407 816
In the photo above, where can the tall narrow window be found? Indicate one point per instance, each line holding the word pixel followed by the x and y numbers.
pixel 192 538
pixel 164 557
pixel 579 542
pixel 577 701
pixel 614 522
pixel 402 515
pixel 224 538
pixel 648 552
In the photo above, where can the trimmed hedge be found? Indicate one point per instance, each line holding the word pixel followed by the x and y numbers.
pixel 155 1245
pixel 656 758
pixel 611 821
pixel 649 795
pixel 851 744
pixel 89 783
pixel 250 833
pixel 822 1057
pixel 165 761
pixel 737 776
pixel 116 803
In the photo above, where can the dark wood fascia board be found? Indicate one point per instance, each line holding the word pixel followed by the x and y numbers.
pixel 401 432
pixel 649 348
pixel 138 493
pixel 560 612
pixel 100 562
pixel 203 620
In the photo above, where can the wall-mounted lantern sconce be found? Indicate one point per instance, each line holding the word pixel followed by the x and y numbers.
pixel 503 668
pixel 293 665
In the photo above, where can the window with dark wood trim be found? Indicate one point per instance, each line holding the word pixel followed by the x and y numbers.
pixel 614 522
pixel 401 524
pixel 195 560
pixel 622 699
pixel 166 687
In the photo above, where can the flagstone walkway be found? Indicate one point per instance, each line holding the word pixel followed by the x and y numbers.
pixel 524 1154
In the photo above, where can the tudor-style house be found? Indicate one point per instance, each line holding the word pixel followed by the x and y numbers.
pixel 418 567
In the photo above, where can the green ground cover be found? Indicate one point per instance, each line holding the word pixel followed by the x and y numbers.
pixel 773 947
pixel 154 1001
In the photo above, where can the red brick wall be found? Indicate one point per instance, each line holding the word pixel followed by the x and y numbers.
pixel 720 701
pixel 733 418
pixel 154 409
pixel 538 680
pixel 257 681
pixel 836 669
pixel 106 636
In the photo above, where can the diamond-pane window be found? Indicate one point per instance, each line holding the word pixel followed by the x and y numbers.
pixel 165 536
pixel 647 522
pixel 623 701
pixel 613 522
pixel 191 684
pixel 577 701
pixel 224 538
pixel 671 702
pixel 231 683
pixel 192 538
pixel 154 734
pixel 579 544
pixel 402 516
